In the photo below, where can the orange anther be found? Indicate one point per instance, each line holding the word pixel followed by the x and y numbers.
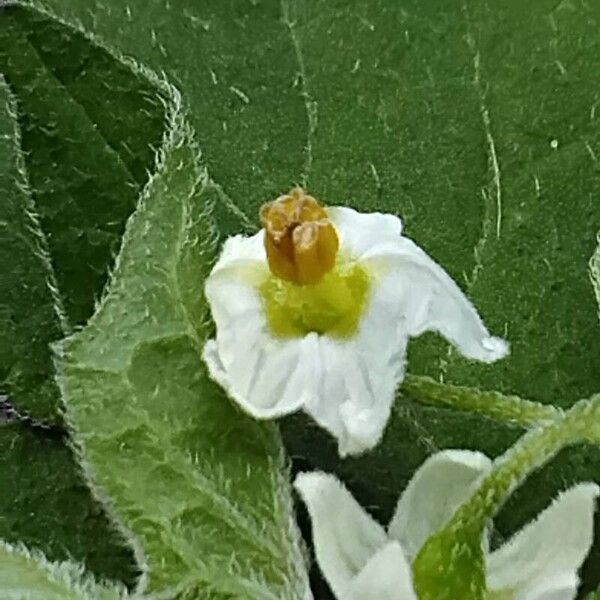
pixel 300 240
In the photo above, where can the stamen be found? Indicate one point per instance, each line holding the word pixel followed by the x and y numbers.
pixel 300 240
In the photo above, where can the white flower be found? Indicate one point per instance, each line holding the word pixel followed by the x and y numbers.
pixel 315 314
pixel 362 561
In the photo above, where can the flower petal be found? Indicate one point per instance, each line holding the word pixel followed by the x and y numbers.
pixel 358 377
pixel 242 248
pixel 387 576
pixel 561 587
pixel 265 375
pixel 431 300
pixel 344 535
pixel 440 485
pixel 552 546
pixel 357 230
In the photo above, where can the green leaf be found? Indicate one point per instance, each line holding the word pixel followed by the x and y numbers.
pixel 235 96
pixel 417 117
pixel 45 501
pixel 25 574
pixel 47 505
pixel 30 311
pixel 88 126
pixel 201 487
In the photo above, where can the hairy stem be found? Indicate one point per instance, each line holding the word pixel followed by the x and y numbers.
pixel 506 409
pixel 579 425
pixel 451 564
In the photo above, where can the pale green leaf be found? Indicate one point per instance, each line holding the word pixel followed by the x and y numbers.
pixel 200 487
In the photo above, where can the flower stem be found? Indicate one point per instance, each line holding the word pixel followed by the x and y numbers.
pixel 580 424
pixel 451 564
pixel 506 409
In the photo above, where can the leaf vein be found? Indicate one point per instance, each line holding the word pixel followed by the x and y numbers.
pixel 310 103
pixel 492 198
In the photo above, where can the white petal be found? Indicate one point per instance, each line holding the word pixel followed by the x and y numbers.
pixel 440 485
pixel 358 230
pixel 266 375
pixel 430 300
pixel 344 535
pixel 387 576
pixel 358 377
pixel 561 587
pixel 554 545
pixel 242 248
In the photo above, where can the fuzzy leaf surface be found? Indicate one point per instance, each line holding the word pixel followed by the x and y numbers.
pixel 45 502
pixel 200 486
pixel 89 127
pixel 30 310
pixel 25 574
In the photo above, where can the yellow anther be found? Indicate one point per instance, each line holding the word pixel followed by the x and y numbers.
pixel 300 240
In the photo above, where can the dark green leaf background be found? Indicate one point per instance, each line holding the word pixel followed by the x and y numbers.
pixel 475 122
pixel 86 147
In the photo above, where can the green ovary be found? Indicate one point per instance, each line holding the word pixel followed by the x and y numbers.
pixel 333 306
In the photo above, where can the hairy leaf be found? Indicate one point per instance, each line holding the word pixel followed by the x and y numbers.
pixel 200 486
pixel 235 96
pixel 44 500
pixel 25 574
pixel 46 504
pixel 456 112
pixel 88 126
pixel 30 310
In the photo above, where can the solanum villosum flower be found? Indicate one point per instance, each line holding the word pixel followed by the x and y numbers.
pixel 362 561
pixel 314 312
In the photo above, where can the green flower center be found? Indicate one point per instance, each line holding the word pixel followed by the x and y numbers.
pixel 333 306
